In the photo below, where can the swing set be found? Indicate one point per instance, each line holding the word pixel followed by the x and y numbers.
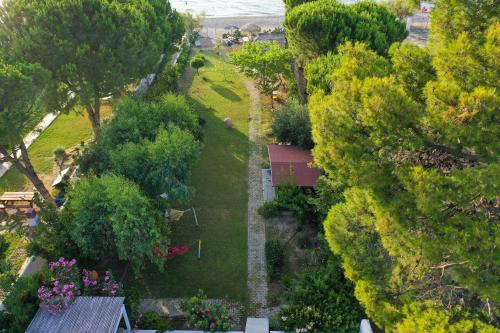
pixel 174 215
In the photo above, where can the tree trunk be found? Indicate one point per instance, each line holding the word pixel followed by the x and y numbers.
pixel 94 114
pixel 301 82
pixel 27 170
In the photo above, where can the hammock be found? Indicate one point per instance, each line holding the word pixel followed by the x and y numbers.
pixel 172 251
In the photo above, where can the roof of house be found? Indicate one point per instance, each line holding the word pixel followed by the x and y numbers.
pixel 287 160
pixel 278 37
pixel 87 314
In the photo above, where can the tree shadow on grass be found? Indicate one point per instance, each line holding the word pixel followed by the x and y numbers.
pixel 225 92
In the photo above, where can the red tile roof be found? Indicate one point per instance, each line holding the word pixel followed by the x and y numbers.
pixel 291 160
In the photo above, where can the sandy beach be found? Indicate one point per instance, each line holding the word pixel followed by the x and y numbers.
pixel 214 26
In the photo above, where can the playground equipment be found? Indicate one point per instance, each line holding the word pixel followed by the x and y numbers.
pixel 174 215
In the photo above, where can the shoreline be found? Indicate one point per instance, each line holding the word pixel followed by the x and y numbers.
pixel 215 26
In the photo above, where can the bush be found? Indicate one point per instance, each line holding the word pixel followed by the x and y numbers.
pixel 204 316
pixel 166 82
pixel 133 297
pixel 291 124
pixel 197 62
pixel 4 245
pixel 154 321
pixel 269 209
pixel 275 258
pixel 321 299
pixel 21 302
pixel 183 58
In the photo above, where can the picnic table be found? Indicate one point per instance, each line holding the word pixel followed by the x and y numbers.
pixel 17 200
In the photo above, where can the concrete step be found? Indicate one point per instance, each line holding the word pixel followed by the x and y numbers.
pixel 257 325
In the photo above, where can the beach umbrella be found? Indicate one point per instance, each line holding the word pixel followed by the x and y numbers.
pixel 250 28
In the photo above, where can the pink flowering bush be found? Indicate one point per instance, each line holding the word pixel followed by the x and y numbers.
pixel 65 286
pixel 69 282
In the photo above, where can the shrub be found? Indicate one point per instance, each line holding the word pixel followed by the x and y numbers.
pixel 291 124
pixel 68 282
pixel 166 82
pixel 21 302
pixel 275 258
pixel 289 197
pixel 4 245
pixel 153 320
pixel 197 62
pixel 183 58
pixel 133 298
pixel 204 316
pixel 321 299
pixel 269 209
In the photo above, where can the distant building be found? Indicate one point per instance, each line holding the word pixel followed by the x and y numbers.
pixel 272 37
pixel 290 164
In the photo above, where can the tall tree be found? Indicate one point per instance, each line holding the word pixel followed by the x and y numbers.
pixel 92 47
pixel 451 18
pixel 136 121
pixel 319 27
pixel 113 218
pixel 267 63
pixel 418 153
pixel 161 167
pixel 22 90
pixel 403 8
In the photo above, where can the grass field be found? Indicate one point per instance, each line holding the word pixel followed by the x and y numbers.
pixel 220 180
pixel 68 130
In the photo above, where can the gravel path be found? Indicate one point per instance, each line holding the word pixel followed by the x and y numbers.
pixel 257 275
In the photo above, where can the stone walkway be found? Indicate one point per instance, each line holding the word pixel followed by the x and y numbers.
pixel 28 139
pixel 257 275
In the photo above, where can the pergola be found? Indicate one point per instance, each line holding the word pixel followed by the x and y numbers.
pixel 87 314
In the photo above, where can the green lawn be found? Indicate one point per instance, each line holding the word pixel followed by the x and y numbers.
pixel 68 130
pixel 220 180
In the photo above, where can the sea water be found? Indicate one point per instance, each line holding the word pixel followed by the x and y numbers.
pixel 234 8
pixel 230 8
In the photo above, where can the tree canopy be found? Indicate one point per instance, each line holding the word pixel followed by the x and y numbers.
pixel 113 219
pixel 414 139
pixel 93 48
pixel 266 62
pixel 318 27
pixel 154 144
pixel 291 124
pixel 162 166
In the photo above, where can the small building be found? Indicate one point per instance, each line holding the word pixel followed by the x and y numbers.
pixel 87 314
pixel 291 164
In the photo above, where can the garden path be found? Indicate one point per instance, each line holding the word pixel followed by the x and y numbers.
pixel 257 275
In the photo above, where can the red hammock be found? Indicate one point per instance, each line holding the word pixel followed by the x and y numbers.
pixel 172 251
